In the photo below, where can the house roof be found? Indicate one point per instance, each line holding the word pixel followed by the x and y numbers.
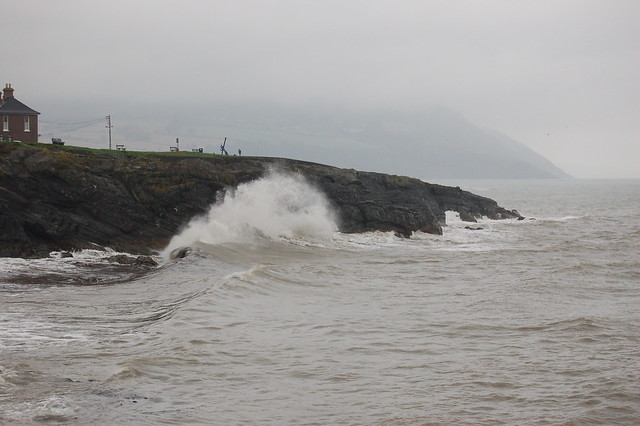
pixel 12 106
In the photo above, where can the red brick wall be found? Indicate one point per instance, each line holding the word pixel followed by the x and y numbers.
pixel 16 128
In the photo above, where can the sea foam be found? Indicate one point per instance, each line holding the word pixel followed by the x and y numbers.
pixel 276 206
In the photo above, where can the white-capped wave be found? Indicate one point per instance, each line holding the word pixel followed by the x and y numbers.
pixel 33 333
pixel 458 235
pixel 275 206
pixel 368 240
pixel 559 219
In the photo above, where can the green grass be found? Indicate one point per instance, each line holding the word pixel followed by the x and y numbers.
pixel 71 148
pixel 8 146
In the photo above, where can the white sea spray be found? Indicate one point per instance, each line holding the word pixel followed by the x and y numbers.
pixel 276 206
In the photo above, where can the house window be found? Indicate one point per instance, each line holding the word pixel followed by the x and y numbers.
pixel 27 124
pixel 5 123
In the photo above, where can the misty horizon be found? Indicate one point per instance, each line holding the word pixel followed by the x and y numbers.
pixel 560 79
pixel 435 144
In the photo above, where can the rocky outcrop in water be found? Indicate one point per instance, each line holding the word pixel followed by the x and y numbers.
pixel 65 198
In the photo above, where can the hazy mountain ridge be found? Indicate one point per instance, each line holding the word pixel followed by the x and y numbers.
pixel 443 144
pixel 432 144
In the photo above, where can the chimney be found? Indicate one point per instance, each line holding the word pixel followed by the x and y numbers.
pixel 8 92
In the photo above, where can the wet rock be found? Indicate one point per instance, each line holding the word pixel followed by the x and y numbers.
pixel 62 198
pixel 122 259
pixel 179 253
pixel 145 261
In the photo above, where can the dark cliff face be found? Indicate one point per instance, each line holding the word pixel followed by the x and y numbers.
pixel 63 198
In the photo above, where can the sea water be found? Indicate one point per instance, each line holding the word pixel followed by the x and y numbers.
pixel 273 317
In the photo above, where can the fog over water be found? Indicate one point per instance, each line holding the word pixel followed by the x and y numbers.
pixel 559 77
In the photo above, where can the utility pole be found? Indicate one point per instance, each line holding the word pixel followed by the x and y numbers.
pixel 109 126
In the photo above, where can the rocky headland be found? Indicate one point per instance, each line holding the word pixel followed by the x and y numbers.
pixel 64 198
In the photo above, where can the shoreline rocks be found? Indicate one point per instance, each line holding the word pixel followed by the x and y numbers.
pixel 55 198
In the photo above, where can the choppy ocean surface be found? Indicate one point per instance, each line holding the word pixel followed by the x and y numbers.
pixel 275 318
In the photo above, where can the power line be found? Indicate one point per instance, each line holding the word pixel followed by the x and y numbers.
pixel 79 122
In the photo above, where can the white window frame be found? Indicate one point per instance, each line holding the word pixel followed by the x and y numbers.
pixel 5 123
pixel 27 124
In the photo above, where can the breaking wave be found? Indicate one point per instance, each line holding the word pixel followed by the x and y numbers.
pixel 276 206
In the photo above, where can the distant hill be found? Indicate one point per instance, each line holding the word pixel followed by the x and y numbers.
pixel 443 144
pixel 438 144
pixel 433 144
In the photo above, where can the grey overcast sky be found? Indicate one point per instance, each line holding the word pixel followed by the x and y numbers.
pixel 560 76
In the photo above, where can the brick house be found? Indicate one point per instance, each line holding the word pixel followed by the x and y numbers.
pixel 18 122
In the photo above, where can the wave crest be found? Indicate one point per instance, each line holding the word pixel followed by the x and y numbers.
pixel 276 206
